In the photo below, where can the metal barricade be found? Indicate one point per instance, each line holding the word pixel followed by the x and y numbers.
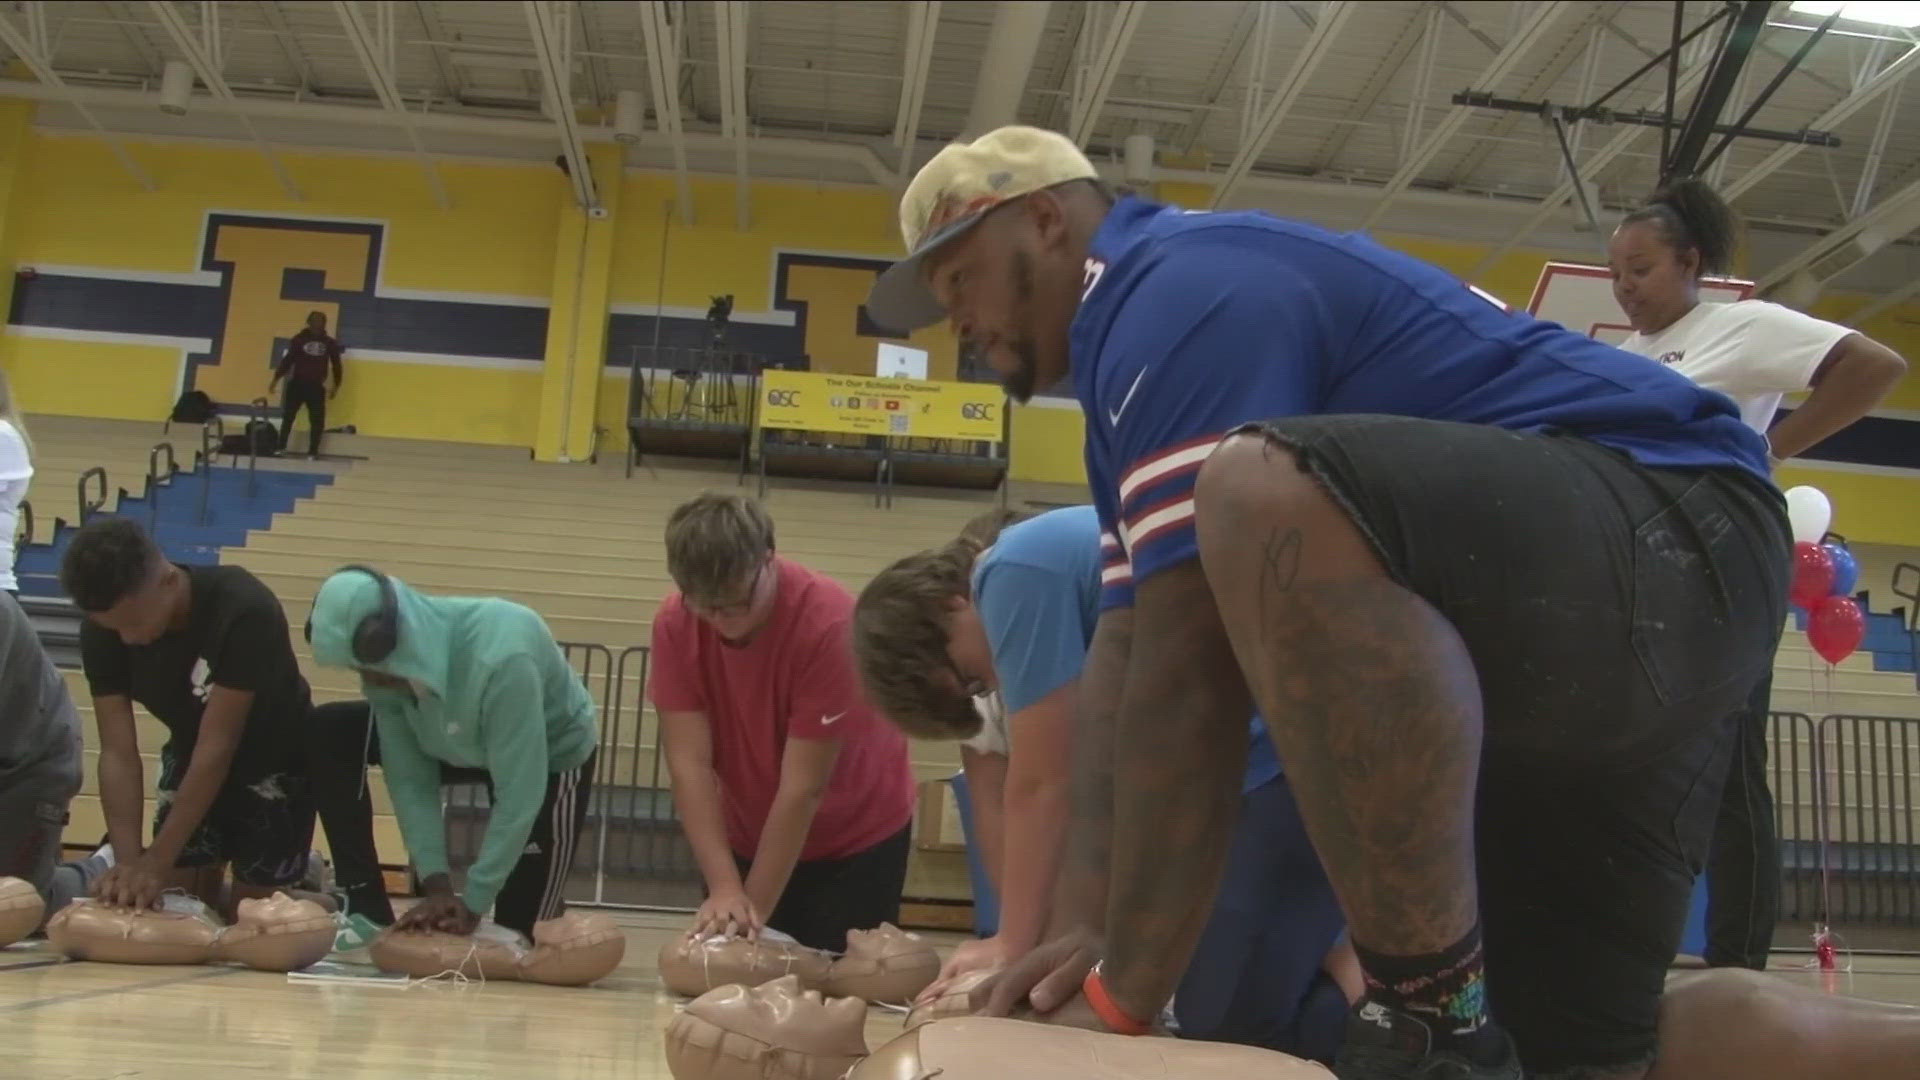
pixel 631 851
pixel 1794 757
pixel 1870 811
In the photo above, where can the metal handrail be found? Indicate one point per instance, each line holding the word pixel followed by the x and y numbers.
pixel 87 508
pixel 159 450
pixel 212 434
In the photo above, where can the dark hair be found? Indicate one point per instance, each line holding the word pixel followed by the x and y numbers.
pixel 900 632
pixel 108 559
pixel 1691 215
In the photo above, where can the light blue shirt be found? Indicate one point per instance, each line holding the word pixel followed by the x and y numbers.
pixel 1038 593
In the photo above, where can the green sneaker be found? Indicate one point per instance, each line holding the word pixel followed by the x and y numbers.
pixel 355 934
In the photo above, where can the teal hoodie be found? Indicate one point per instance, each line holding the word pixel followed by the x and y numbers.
pixel 491 691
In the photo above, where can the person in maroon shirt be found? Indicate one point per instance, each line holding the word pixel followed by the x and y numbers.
pixel 310 356
pixel 797 798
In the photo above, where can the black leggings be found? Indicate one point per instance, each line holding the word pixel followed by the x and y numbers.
pixel 338 744
pixel 344 742
pixel 313 397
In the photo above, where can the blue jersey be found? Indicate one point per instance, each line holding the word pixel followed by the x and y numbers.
pixel 1194 323
pixel 1038 593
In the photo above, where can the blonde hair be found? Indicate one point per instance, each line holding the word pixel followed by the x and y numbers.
pixel 10 412
pixel 714 541
pixel 900 633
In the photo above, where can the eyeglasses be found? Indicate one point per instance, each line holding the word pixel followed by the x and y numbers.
pixel 733 608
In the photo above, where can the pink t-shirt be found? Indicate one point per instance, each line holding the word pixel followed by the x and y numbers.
pixel 794 679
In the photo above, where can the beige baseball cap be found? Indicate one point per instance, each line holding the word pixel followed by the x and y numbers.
pixel 951 193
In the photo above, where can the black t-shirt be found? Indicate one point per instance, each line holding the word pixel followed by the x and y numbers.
pixel 236 636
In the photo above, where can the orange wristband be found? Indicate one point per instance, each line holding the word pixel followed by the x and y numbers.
pixel 1104 1007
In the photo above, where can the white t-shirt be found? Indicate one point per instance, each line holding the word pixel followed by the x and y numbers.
pixel 16 474
pixel 993 725
pixel 1753 351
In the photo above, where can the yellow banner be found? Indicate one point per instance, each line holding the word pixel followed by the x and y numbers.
pixel 869 405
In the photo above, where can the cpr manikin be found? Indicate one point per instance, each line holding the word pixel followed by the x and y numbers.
pixel 955 1000
pixel 275 934
pixel 694 965
pixel 20 909
pixel 779 1031
pixel 775 1031
pixel 887 966
pixel 573 950
pixel 987 1048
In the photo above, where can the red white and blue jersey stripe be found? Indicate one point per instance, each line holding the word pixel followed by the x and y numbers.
pixel 1193 324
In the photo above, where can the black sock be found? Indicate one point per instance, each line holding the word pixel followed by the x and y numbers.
pixel 1447 990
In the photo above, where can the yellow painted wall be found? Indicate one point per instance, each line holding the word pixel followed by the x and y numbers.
pixel 78 206
pixel 713 256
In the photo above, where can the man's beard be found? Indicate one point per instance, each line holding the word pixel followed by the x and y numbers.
pixel 1019 382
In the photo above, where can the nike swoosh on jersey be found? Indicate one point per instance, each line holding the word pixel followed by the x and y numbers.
pixel 1113 415
pixel 826 720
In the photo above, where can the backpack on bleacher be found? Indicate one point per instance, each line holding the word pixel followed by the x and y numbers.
pixel 259 436
pixel 194 407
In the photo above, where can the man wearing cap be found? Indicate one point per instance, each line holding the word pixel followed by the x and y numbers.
pixel 1498 588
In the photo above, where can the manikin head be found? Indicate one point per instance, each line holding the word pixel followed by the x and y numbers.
pixel 1661 251
pixel 997 232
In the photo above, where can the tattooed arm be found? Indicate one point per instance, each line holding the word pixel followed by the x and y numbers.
pixel 1051 975
pixel 1080 896
pixel 1179 751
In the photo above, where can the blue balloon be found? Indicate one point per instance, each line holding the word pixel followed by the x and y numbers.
pixel 1846 570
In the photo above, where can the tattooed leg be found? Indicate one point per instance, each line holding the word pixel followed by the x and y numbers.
pixel 1373 703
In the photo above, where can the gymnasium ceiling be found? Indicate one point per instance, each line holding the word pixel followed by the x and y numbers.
pixel 843 91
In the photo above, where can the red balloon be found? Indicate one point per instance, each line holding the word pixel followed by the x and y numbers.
pixel 1836 628
pixel 1812 575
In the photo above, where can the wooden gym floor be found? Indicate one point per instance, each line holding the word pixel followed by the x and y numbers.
pixel 85 1021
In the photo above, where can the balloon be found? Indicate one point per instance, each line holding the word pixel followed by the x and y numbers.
pixel 1846 569
pixel 1812 575
pixel 1837 628
pixel 1810 513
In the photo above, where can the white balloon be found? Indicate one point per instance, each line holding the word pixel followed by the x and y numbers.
pixel 1809 512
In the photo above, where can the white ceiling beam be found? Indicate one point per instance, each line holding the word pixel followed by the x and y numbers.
pixel 1833 254
pixel 1590 169
pixel 1012 43
pixel 450 78
pixel 366 46
pixel 199 55
pixel 1332 18
pixel 663 73
pixel 136 37
pixel 1104 69
pixel 1532 33
pixel 923 19
pixel 730 34
pixel 552 46
pixel 1882 81
pixel 1389 66
pixel 1543 85
pixel 288 41
pixel 42 68
pixel 1252 13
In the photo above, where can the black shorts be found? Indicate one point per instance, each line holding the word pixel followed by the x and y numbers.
pixel 261 824
pixel 825 898
pixel 1618 617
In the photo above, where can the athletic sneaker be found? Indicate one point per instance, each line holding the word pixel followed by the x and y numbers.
pixel 319 875
pixel 355 934
pixel 1385 1044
